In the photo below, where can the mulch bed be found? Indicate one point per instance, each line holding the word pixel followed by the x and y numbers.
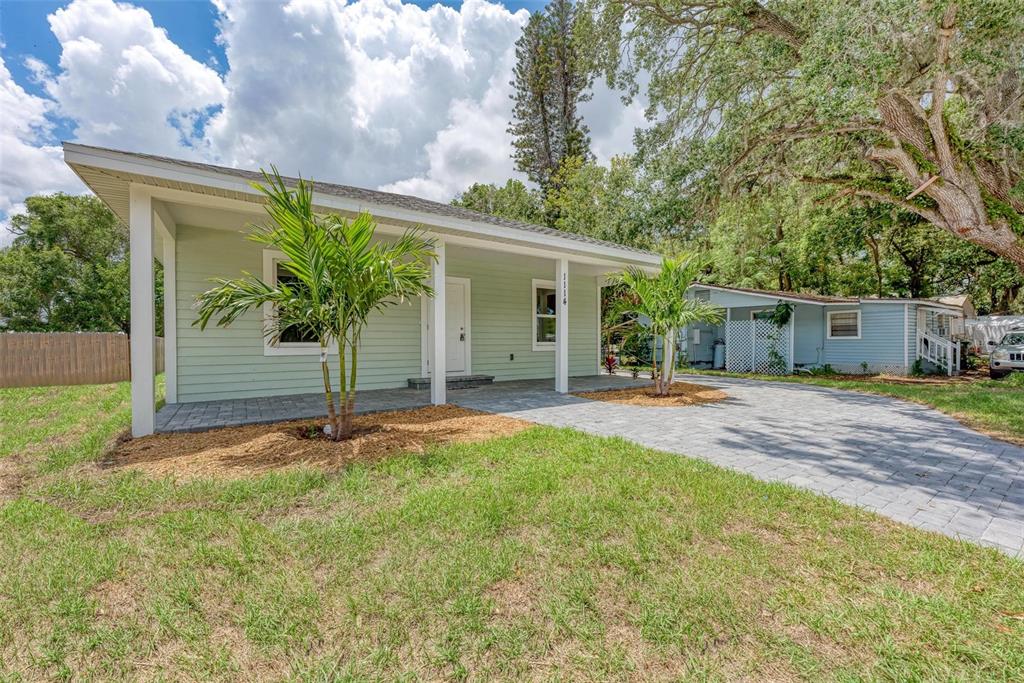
pixel 681 394
pixel 237 452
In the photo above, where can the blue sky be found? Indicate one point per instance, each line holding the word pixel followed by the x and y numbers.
pixel 406 97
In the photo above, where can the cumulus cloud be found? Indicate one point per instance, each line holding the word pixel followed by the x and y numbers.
pixel 124 83
pixel 29 164
pixel 369 93
pixel 375 93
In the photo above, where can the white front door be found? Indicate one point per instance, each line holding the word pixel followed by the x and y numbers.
pixel 456 322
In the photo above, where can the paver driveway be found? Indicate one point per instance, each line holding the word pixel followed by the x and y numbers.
pixel 906 461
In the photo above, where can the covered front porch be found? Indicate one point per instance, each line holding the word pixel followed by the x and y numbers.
pixel 510 301
pixel 517 394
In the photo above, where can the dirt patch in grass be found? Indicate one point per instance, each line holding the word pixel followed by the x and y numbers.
pixel 11 478
pixel 236 452
pixel 681 394
pixel 966 377
pixel 514 597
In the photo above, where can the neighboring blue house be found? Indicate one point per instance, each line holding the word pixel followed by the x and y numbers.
pixel 851 335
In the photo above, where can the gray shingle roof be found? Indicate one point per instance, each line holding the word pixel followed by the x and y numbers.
pixel 391 199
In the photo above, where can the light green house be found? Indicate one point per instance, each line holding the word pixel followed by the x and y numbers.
pixel 513 301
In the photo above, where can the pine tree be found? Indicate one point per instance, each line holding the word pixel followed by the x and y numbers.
pixel 550 81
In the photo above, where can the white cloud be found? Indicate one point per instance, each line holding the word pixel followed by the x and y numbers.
pixel 612 123
pixel 375 93
pixel 124 83
pixel 28 163
pixel 371 93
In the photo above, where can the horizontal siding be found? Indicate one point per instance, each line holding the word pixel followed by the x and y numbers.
pixel 219 363
pixel 880 346
pixel 502 310
pixel 911 335
pixel 228 362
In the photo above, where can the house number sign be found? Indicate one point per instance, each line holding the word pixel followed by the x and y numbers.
pixel 565 289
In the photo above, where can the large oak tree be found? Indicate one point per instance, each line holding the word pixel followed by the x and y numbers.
pixel 912 103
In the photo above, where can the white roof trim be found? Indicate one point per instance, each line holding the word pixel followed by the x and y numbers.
pixel 853 302
pixel 128 163
pixel 776 297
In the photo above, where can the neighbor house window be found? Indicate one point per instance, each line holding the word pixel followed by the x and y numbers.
pixel 545 305
pixel 844 325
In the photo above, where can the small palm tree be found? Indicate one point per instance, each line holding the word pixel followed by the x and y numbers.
pixel 662 300
pixel 340 276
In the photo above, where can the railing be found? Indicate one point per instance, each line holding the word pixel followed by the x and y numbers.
pixel 941 351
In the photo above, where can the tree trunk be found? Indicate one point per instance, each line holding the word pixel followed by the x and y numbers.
pixel 332 415
pixel 671 364
pixel 876 259
pixel 345 423
pixel 666 360
pixel 654 363
pixel 350 405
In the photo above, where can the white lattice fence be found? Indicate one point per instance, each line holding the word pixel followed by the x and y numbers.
pixel 758 346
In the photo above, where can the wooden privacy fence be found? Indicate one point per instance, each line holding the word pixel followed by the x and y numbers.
pixel 36 359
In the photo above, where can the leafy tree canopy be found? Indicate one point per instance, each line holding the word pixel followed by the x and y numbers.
pixel 512 200
pixel 915 105
pixel 67 268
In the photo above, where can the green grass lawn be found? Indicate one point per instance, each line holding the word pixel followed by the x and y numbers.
pixel 548 554
pixel 994 406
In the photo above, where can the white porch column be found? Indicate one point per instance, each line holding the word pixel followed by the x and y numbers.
pixel 562 326
pixel 165 227
pixel 143 367
pixel 438 370
pixel 170 322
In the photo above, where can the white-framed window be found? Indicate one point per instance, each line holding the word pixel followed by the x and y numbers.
pixel 293 342
pixel 762 314
pixel 842 324
pixel 545 304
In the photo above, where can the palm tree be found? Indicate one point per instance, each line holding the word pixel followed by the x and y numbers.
pixel 339 277
pixel 662 300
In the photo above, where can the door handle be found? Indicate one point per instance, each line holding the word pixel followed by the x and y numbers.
pixel 462 336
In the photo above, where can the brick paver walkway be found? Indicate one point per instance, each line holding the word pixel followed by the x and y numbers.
pixel 906 461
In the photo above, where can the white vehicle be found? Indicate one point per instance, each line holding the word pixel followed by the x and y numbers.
pixel 1007 355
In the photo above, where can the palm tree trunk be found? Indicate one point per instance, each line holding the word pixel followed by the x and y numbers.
pixel 332 415
pixel 345 429
pixel 666 359
pixel 350 405
pixel 654 364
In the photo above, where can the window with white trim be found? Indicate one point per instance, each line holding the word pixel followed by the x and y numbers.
pixel 545 307
pixel 293 341
pixel 291 335
pixel 843 324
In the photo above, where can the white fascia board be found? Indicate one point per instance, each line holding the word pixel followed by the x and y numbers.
pixel 775 297
pixel 126 163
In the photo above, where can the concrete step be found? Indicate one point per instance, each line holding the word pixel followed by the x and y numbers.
pixel 453 382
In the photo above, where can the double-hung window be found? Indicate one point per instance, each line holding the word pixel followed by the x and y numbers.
pixel 545 306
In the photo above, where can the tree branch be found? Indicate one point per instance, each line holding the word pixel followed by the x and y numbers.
pixel 940 82
pixel 930 215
